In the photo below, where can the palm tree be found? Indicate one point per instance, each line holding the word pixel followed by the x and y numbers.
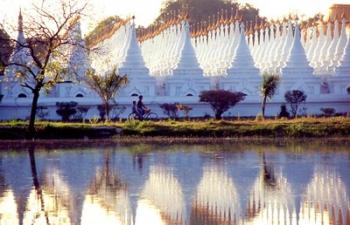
pixel 106 86
pixel 268 89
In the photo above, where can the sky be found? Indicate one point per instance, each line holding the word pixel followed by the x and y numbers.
pixel 147 10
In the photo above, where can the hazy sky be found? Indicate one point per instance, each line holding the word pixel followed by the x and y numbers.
pixel 147 10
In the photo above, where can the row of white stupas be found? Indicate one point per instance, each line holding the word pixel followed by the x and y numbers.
pixel 171 64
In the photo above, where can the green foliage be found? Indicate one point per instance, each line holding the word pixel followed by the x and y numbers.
pixel 328 111
pixel 295 128
pixel 200 10
pixel 268 88
pixel 221 100
pixel 185 109
pixel 42 112
pixel 269 85
pixel 66 110
pixel 106 86
pixel 102 27
pixel 170 109
pixel 294 98
pixel 284 112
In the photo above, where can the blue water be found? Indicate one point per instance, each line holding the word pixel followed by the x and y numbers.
pixel 178 184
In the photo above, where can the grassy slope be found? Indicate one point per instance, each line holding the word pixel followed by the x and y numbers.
pixel 303 127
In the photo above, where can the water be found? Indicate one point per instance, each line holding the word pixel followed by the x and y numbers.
pixel 179 184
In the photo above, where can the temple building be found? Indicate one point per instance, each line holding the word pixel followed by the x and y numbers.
pixel 173 63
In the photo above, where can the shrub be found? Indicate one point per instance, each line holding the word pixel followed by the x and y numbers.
pixel 294 98
pixel 185 109
pixel 82 111
pixel 170 109
pixel 284 113
pixel 42 112
pixel 221 100
pixel 328 111
pixel 66 110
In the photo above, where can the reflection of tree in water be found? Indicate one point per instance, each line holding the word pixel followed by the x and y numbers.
pixel 216 200
pixel 106 201
pixel 49 201
pixel 271 199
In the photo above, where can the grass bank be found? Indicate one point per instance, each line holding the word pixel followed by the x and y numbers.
pixel 296 128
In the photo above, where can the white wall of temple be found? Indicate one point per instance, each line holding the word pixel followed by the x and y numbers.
pixel 20 108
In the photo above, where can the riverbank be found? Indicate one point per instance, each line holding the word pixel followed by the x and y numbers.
pixel 337 127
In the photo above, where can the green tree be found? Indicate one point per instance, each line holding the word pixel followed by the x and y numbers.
pixel 106 86
pixel 294 98
pixel 268 89
pixel 200 10
pixel 46 38
pixel 221 100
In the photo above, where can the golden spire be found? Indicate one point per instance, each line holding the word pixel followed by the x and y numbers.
pixel 251 29
pixel 232 18
pixel 237 14
pixel 226 17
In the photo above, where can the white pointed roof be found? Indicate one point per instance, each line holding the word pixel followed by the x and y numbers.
pixel 133 63
pixel 344 68
pixel 297 64
pixel 20 54
pixel 243 64
pixel 79 59
pixel 188 60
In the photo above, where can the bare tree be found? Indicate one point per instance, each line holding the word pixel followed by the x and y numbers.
pixel 106 86
pixel 45 46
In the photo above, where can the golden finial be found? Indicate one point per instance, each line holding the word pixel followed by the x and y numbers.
pixel 237 14
pixel 251 29
pixel 232 18
pixel 226 17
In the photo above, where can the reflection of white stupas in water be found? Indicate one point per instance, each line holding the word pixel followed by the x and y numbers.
pixel 216 200
pixel 49 203
pixel 161 200
pixel 8 206
pixel 107 201
pixel 325 201
pixel 271 200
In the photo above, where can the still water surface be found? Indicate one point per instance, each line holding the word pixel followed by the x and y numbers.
pixel 175 185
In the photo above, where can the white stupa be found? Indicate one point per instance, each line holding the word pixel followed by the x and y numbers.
pixel 187 78
pixel 242 70
pixel 298 74
pixel 20 55
pixel 133 65
pixel 340 81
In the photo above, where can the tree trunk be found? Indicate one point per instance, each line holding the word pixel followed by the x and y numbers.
pixel 263 106
pixel 31 128
pixel 218 115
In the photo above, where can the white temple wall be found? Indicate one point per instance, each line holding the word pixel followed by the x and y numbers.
pixel 19 108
